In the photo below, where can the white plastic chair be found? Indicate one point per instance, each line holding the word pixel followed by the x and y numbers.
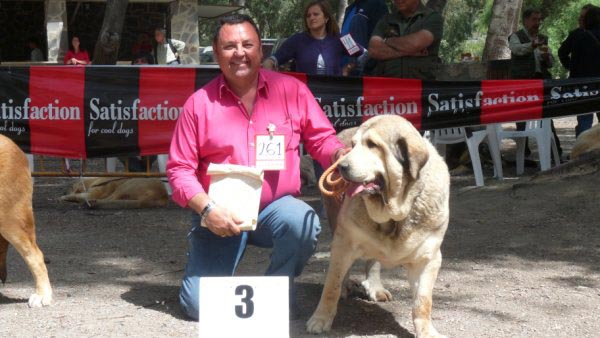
pixel 31 161
pixel 162 167
pixel 31 165
pixel 541 131
pixel 441 137
pixel 111 164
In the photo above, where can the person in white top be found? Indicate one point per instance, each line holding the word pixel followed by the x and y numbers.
pixel 167 51
pixel 530 55
pixel 531 58
pixel 36 53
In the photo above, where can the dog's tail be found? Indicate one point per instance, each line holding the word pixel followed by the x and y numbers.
pixel 3 251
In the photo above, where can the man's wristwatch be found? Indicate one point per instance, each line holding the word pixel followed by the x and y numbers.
pixel 209 206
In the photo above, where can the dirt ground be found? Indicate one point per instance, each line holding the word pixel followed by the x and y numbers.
pixel 521 259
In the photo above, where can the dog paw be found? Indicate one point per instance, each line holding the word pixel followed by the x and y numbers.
pixel 431 332
pixel 318 324
pixel 435 335
pixel 36 300
pixel 91 204
pixel 351 288
pixel 67 198
pixel 376 293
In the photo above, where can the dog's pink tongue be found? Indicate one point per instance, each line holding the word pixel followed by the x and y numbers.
pixel 354 189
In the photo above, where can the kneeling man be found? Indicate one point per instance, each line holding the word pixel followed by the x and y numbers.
pixel 220 124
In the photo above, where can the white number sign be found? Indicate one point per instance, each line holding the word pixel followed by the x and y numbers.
pixel 244 307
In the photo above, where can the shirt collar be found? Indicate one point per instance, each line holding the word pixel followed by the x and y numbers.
pixel 262 86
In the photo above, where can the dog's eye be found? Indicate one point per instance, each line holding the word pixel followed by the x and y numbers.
pixel 371 144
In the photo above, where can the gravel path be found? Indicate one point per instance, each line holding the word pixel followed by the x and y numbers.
pixel 520 260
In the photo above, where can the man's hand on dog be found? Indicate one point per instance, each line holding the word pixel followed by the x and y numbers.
pixel 222 222
pixel 340 153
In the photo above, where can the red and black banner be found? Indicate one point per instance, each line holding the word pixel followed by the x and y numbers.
pixel 101 111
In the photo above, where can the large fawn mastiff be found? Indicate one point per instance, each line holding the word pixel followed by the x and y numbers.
pixel 16 219
pixel 395 212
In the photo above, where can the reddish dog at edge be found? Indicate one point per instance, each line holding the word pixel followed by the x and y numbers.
pixel 16 220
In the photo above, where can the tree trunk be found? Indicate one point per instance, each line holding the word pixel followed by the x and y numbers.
pixel 106 51
pixel 341 12
pixel 517 20
pixel 437 5
pixel 505 16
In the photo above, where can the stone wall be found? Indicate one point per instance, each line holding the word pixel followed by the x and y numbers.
pixel 184 27
pixel 21 20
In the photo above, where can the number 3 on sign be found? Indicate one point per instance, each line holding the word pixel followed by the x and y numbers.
pixel 247 310
pixel 244 307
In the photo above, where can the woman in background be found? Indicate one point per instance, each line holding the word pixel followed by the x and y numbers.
pixel 76 55
pixel 317 50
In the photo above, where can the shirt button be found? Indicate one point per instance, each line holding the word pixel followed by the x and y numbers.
pixel 252 144
pixel 251 122
pixel 240 102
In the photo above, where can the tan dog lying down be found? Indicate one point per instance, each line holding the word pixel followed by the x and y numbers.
pixel 395 212
pixel 586 142
pixel 118 193
pixel 16 220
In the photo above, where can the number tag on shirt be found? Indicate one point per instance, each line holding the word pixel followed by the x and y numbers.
pixel 350 45
pixel 270 152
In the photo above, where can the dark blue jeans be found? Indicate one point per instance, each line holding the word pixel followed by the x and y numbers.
pixel 288 225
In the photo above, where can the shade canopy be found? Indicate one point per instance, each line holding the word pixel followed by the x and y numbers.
pixel 213 11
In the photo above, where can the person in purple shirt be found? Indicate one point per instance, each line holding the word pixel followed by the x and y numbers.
pixel 317 50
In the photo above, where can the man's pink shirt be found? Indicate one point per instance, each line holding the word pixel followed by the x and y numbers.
pixel 215 127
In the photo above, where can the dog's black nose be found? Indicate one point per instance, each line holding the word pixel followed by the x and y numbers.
pixel 343 167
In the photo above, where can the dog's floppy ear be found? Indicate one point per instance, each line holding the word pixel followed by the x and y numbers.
pixel 412 154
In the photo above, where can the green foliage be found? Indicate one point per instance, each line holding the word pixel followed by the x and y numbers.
pixel 462 29
pixel 276 18
pixel 466 24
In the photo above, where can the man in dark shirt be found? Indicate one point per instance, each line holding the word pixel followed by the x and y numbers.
pixel 531 58
pixel 406 42
pixel 565 55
